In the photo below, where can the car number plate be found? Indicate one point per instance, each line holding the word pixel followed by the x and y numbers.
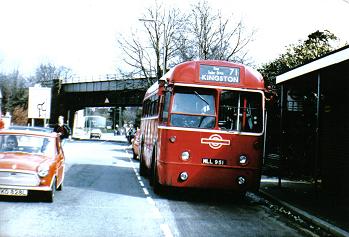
pixel 210 161
pixel 13 192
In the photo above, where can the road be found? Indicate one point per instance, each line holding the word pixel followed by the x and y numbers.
pixel 103 195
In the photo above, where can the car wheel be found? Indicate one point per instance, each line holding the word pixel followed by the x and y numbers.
pixel 60 187
pixel 49 195
pixel 134 154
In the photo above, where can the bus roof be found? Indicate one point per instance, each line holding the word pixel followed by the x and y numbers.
pixel 213 73
pixel 217 73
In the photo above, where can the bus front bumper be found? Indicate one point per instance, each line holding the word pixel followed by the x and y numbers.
pixel 204 176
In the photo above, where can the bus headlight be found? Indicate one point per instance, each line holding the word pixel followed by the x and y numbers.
pixel 183 176
pixel 185 155
pixel 243 160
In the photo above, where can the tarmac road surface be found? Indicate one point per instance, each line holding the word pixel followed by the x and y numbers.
pixel 103 195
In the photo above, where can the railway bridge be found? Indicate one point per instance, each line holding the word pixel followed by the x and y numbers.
pixel 69 97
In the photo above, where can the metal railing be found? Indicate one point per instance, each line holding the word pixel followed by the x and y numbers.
pixel 100 78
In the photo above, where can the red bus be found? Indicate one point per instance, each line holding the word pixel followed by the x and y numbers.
pixel 202 126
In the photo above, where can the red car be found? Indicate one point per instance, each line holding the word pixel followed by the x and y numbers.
pixel 135 143
pixel 30 160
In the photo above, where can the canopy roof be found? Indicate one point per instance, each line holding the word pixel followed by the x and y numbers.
pixel 335 57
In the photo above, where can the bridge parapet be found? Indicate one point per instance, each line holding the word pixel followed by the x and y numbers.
pixel 106 85
pixel 106 77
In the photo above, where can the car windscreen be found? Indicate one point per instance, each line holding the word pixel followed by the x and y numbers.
pixel 27 144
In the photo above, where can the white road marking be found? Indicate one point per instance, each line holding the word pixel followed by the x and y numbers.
pixel 166 230
pixel 145 190
pixel 156 212
pixel 151 201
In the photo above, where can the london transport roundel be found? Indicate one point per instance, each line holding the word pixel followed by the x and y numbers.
pixel 215 141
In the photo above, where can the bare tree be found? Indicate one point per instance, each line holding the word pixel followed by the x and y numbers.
pixel 211 36
pixel 15 93
pixel 137 57
pixel 172 37
pixel 47 73
pixel 147 57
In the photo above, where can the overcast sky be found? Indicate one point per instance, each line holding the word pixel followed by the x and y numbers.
pixel 81 34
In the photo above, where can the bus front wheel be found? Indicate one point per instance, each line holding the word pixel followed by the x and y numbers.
pixel 154 179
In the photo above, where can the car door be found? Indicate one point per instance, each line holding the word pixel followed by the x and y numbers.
pixel 60 161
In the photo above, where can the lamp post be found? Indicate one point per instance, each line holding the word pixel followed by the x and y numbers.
pixel 164 44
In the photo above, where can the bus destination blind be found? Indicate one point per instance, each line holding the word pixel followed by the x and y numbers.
pixel 219 74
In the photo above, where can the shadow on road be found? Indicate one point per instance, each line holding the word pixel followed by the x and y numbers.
pixel 110 179
pixel 206 196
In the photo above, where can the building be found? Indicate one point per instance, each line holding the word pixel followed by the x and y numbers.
pixel 314 124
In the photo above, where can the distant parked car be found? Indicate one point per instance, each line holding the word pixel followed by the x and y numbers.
pixel 30 161
pixel 135 143
pixel 95 133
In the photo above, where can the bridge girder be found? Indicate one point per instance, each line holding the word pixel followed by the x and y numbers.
pixel 79 100
pixel 110 93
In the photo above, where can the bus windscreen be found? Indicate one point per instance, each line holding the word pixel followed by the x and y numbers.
pixel 194 109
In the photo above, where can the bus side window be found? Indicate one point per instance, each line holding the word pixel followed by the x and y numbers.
pixel 166 105
pixel 2 142
pixel 156 105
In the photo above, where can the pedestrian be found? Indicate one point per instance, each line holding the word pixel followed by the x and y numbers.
pixel 116 131
pixel 61 128
pixel 2 124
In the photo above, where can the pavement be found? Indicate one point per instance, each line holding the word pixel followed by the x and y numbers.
pixel 330 212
